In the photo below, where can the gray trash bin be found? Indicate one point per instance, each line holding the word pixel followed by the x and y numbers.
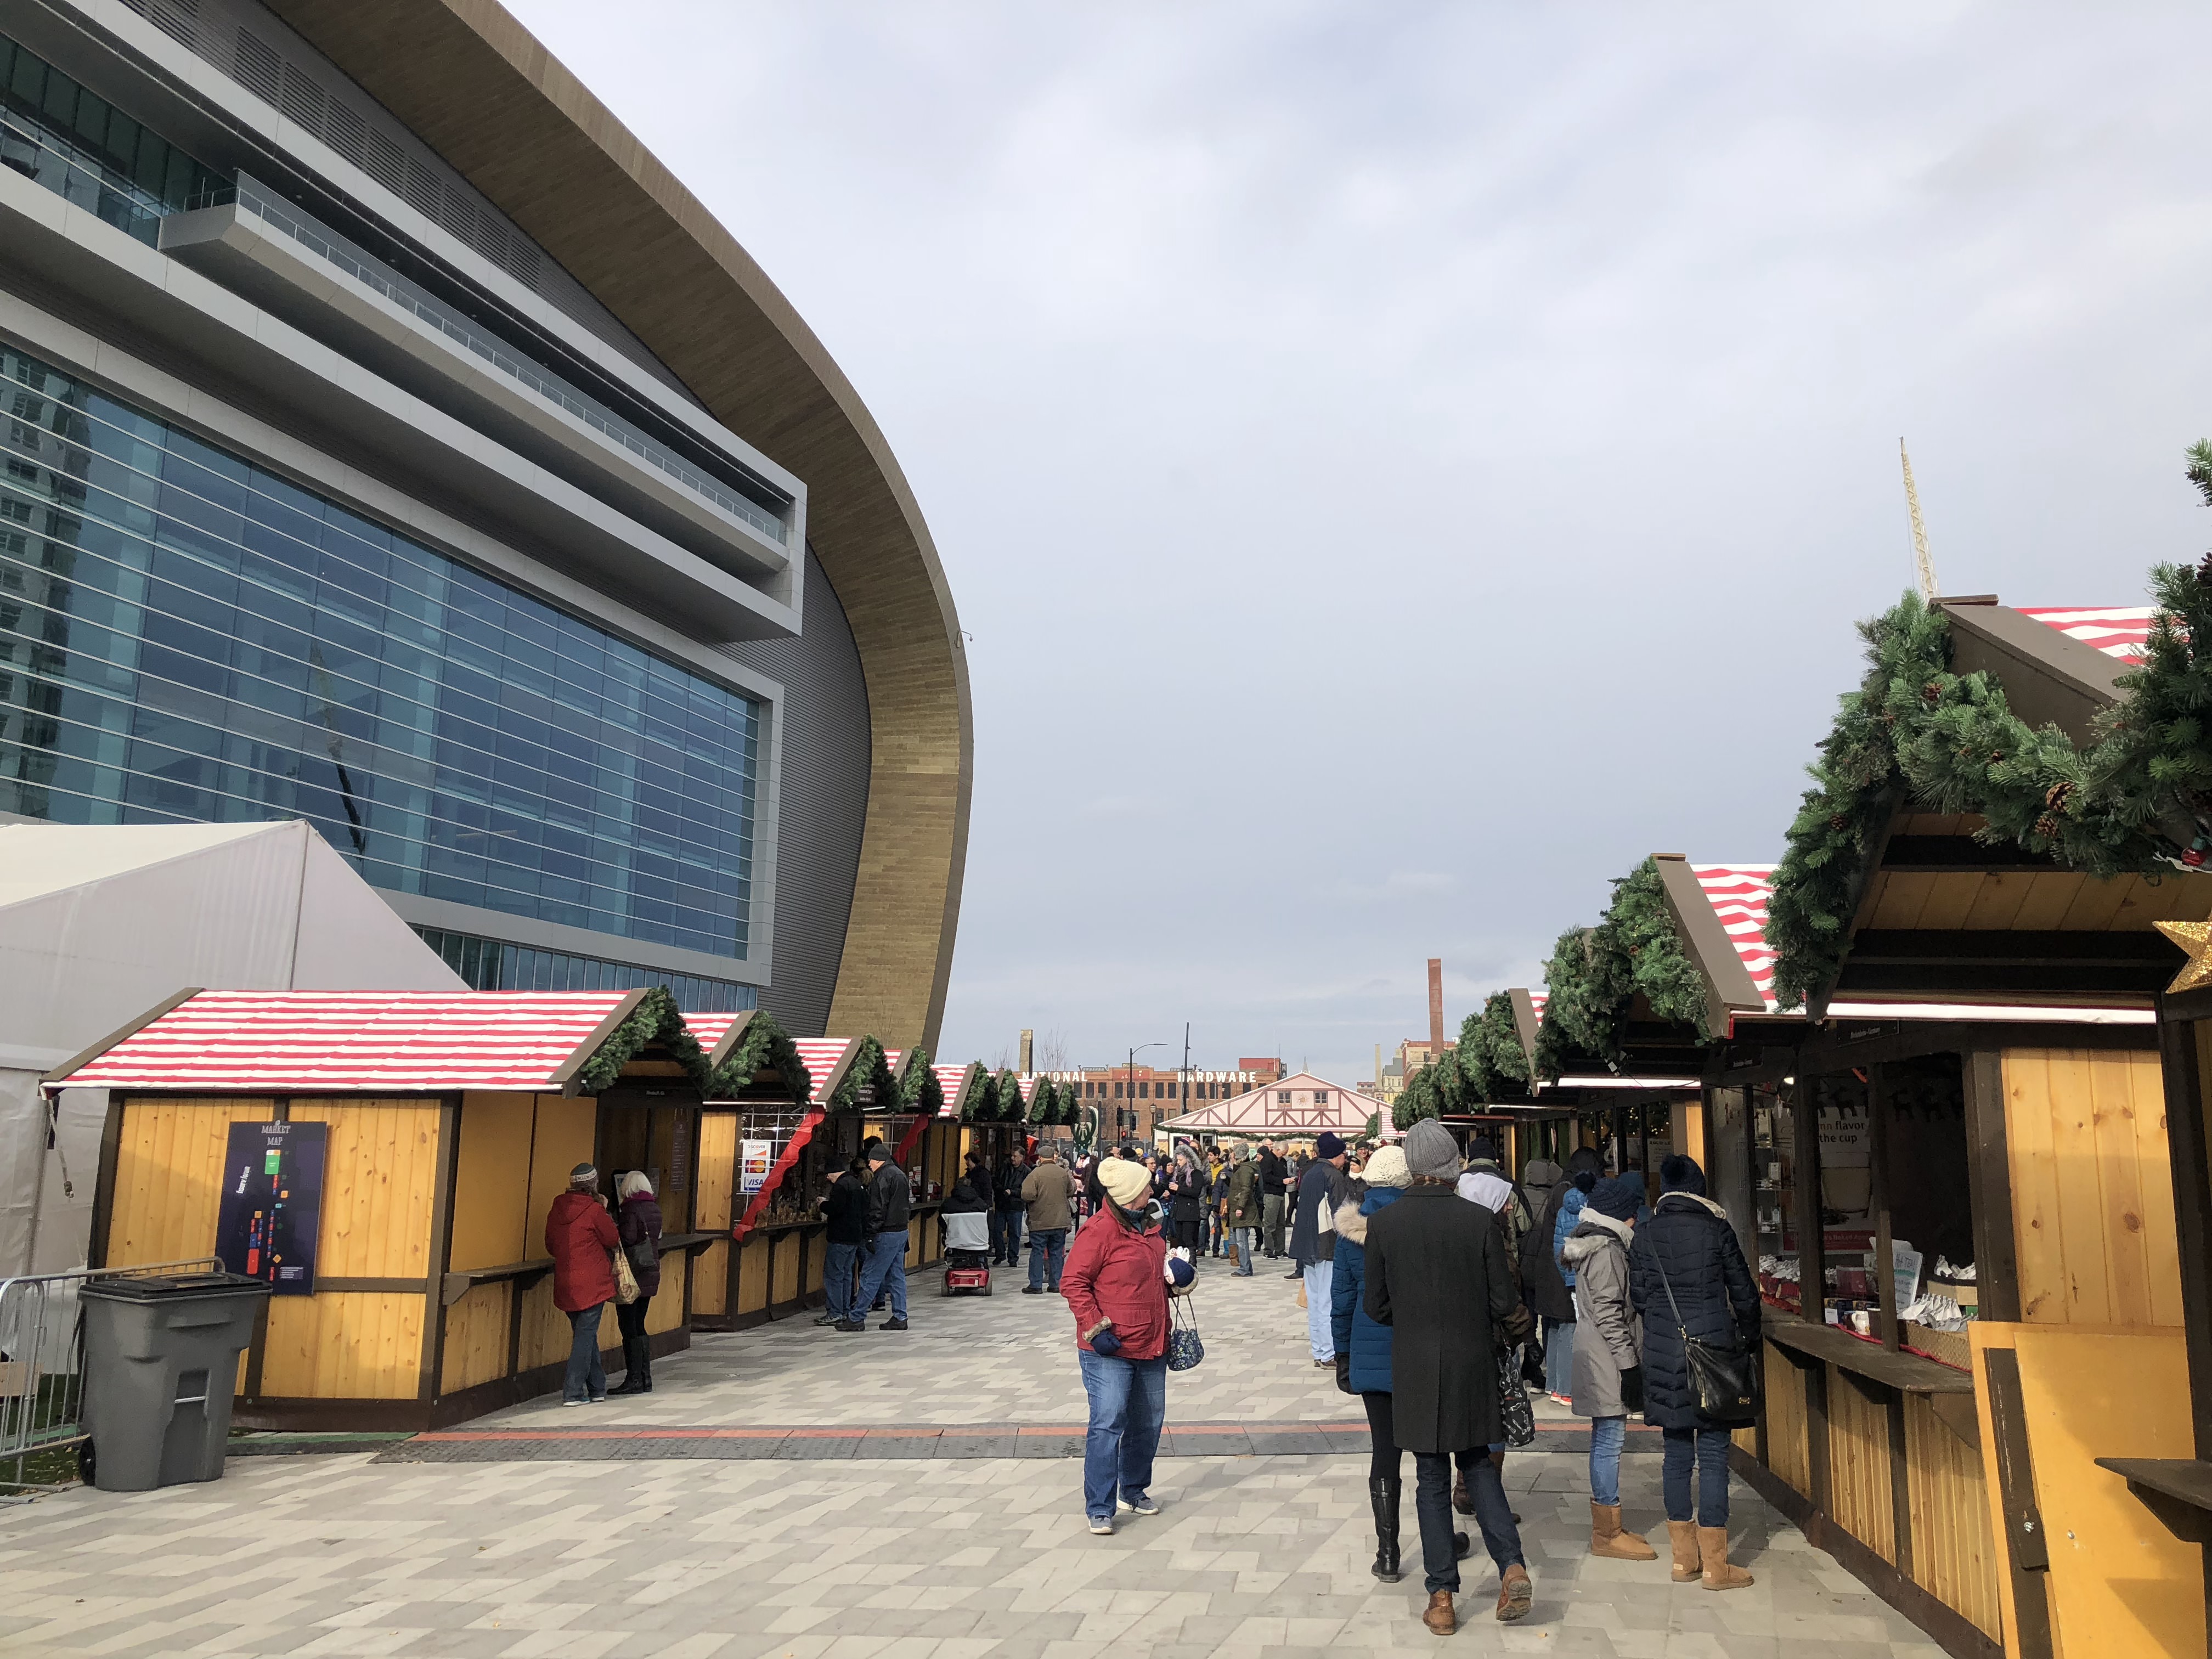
pixel 160 1364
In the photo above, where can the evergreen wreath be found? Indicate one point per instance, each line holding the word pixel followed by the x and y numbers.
pixel 1491 1059
pixel 763 1047
pixel 656 1020
pixel 920 1091
pixel 977 1098
pixel 2137 800
pixel 1596 973
pixel 871 1074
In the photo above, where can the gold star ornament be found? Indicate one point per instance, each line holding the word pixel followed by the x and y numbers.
pixel 2195 938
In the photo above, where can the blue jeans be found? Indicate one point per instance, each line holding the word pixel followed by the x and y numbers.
pixel 1129 1404
pixel 587 1375
pixel 1048 1249
pixel 1708 1448
pixel 1240 1247
pixel 1005 1235
pixel 886 1266
pixel 1320 1337
pixel 1607 1436
pixel 837 1281
pixel 1559 1357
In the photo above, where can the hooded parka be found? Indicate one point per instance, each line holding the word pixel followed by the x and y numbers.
pixel 1355 1334
pixel 1438 1276
pixel 1244 1192
pixel 1689 1241
pixel 1608 1338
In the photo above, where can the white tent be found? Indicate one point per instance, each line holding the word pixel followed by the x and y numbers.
pixel 1297 1108
pixel 99 923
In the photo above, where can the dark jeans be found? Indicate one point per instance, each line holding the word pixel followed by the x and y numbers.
pixel 1271 1222
pixel 588 1376
pixel 1048 1249
pixel 1007 1236
pixel 637 1346
pixel 1708 1448
pixel 1434 1469
pixel 837 1281
pixel 886 1271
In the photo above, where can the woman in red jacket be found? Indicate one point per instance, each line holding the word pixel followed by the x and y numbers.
pixel 1115 1282
pixel 580 1237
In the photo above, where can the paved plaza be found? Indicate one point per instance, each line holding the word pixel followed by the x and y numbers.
pixel 637 1542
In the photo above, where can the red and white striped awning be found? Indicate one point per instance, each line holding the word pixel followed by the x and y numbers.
pixel 711 1028
pixel 1738 894
pixel 356 1043
pixel 949 1079
pixel 1539 999
pixel 2121 631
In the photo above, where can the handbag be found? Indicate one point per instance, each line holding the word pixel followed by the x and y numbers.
pixel 626 1290
pixel 644 1255
pixel 1724 1379
pixel 1517 1416
pixel 1184 1349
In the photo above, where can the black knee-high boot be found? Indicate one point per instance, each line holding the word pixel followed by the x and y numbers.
pixel 1382 1492
pixel 641 1362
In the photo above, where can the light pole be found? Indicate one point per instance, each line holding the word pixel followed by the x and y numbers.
pixel 1133 1053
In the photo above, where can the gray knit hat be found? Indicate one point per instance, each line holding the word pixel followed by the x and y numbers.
pixel 1431 1151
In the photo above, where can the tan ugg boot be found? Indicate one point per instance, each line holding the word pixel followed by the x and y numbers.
pixel 1607 1540
pixel 1712 1550
pixel 1682 1535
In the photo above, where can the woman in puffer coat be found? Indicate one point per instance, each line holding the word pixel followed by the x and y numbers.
pixel 638 1226
pixel 1362 1354
pixel 1689 1248
pixel 1609 1353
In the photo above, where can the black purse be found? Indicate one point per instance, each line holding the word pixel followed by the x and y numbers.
pixel 1724 1379
pixel 1515 1414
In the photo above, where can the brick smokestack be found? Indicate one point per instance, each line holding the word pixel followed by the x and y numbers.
pixel 1435 1006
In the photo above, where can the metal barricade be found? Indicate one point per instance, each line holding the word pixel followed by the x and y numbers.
pixel 41 1360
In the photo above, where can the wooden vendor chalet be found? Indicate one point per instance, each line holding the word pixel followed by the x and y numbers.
pixel 413 1144
pixel 1972 1106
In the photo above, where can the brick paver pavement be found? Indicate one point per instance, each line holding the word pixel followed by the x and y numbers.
pixel 677 1557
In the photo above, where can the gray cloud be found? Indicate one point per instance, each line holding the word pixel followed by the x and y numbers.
pixel 1400 464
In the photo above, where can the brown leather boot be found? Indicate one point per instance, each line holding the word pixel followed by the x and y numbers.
pixel 1515 1594
pixel 1712 1550
pixel 1682 1535
pixel 1607 1540
pixel 1440 1618
pixel 1462 1500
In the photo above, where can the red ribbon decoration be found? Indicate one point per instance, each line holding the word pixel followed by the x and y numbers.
pixel 791 1149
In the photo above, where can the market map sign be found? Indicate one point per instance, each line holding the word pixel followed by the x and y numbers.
pixel 272 1204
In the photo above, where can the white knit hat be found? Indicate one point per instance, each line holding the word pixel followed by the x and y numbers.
pixel 1127 1184
pixel 1387 1169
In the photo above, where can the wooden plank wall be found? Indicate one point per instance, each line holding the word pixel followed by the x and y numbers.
pixel 168 1177
pixel 718 1179
pixel 2093 1188
pixel 476 1338
pixel 1954 1555
pixel 1786 1452
pixel 492 1213
pixel 380 1175
pixel 1858 1464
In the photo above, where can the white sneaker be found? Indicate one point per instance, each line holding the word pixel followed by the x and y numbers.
pixel 572 1402
pixel 1140 1506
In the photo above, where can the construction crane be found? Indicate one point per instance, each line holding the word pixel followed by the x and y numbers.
pixel 1924 566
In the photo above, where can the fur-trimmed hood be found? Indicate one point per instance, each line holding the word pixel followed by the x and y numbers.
pixel 1595 1232
pixel 1692 1198
pixel 1352 1214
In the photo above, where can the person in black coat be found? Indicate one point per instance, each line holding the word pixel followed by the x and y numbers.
pixel 1550 1298
pixel 1005 1190
pixel 1425 1255
pixel 1185 1201
pixel 845 1207
pixel 1686 1274
pixel 638 1222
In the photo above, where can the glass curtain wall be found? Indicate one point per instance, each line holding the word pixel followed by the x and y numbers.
pixel 185 636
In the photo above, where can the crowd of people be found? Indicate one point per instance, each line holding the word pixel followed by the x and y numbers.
pixel 1432 1312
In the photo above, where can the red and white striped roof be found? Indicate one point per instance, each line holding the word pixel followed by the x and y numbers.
pixel 1028 1086
pixel 948 1082
pixel 1738 894
pixel 820 1055
pixel 354 1041
pixel 1539 999
pixel 2121 631
pixel 711 1028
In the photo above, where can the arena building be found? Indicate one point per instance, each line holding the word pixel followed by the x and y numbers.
pixel 393 443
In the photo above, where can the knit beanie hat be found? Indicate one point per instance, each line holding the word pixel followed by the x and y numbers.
pixel 1387 1167
pixel 1585 1181
pixel 1329 1146
pixel 1127 1184
pixel 1620 1197
pixel 1431 1151
pixel 1680 1174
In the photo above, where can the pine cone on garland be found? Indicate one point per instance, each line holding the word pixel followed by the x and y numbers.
pixel 2047 827
pixel 1931 694
pixel 2058 795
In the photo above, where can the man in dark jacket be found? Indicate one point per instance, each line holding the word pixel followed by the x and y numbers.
pixel 1438 1276
pixel 1686 1274
pixel 1006 1193
pixel 1272 1191
pixel 890 1200
pixel 1313 1238
pixel 846 1209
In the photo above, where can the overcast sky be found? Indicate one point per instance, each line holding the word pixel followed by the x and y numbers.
pixel 1400 464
